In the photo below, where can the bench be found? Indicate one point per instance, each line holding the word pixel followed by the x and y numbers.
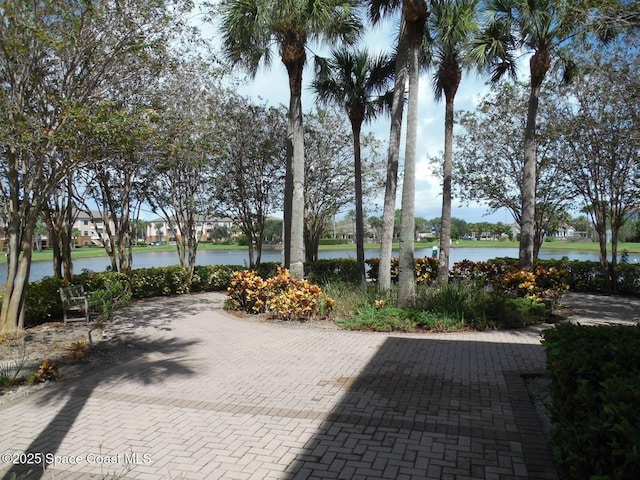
pixel 75 302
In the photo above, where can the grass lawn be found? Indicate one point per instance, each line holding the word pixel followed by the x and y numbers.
pixel 579 246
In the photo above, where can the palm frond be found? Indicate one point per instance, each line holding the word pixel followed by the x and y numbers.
pixel 251 28
pixel 568 67
pixel 353 80
pixel 246 33
pixel 379 9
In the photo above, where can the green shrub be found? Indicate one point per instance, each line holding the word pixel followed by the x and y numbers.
pixel 501 312
pixel 480 308
pixel 425 269
pixel 587 276
pixel 93 281
pixel 594 377
pixel 106 301
pixel 158 281
pixel 352 298
pixel 456 298
pixel 383 320
pixel 212 278
pixel 333 241
pixel 391 319
pixel 242 240
pixel 334 269
pixel 43 301
pixel 267 269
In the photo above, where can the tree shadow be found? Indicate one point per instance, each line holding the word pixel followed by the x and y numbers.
pixel 428 408
pixel 159 312
pixel 76 394
pixel 602 309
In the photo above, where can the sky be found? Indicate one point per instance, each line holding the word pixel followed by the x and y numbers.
pixel 271 86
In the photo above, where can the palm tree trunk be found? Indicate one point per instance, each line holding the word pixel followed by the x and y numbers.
pixel 447 166
pixel 357 162
pixel 296 134
pixel 391 184
pixel 539 65
pixel 288 192
pixel 529 186
pixel 406 264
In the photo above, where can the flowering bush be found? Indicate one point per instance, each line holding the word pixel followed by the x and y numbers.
pixel 284 296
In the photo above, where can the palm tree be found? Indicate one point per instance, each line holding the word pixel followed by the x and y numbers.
pixel 515 27
pixel 250 28
pixel 359 83
pixel 413 19
pixel 451 26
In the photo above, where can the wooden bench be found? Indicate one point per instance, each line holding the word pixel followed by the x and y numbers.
pixel 75 302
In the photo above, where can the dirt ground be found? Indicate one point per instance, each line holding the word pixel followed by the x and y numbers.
pixel 67 347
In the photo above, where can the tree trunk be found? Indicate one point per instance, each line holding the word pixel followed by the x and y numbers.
pixel 391 184
pixel 250 244
pixel 193 253
pixel 288 205
pixel 311 242
pixel 55 242
pixel 445 226
pixel 18 269
pixel 406 265
pixel 259 240
pixel 357 162
pixel 613 265
pixel 539 65
pixel 296 132
pixel 529 186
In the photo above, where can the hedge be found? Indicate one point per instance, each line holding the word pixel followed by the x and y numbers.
pixel 586 276
pixel 326 270
pixel 425 269
pixel 43 302
pixel 595 391
pixel 43 299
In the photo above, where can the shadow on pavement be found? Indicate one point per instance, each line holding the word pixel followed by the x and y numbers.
pixel 75 395
pixel 602 309
pixel 428 408
pixel 159 312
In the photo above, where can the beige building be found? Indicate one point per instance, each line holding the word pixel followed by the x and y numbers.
pixel 91 229
pixel 159 231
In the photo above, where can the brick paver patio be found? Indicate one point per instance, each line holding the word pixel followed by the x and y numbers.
pixel 211 396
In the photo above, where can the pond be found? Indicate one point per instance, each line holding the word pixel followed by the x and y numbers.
pixel 151 258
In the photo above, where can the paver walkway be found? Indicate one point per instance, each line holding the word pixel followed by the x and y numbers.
pixel 211 396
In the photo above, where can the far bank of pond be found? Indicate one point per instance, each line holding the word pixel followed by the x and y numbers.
pixel 95 260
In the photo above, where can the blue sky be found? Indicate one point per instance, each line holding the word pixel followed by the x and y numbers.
pixel 271 86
